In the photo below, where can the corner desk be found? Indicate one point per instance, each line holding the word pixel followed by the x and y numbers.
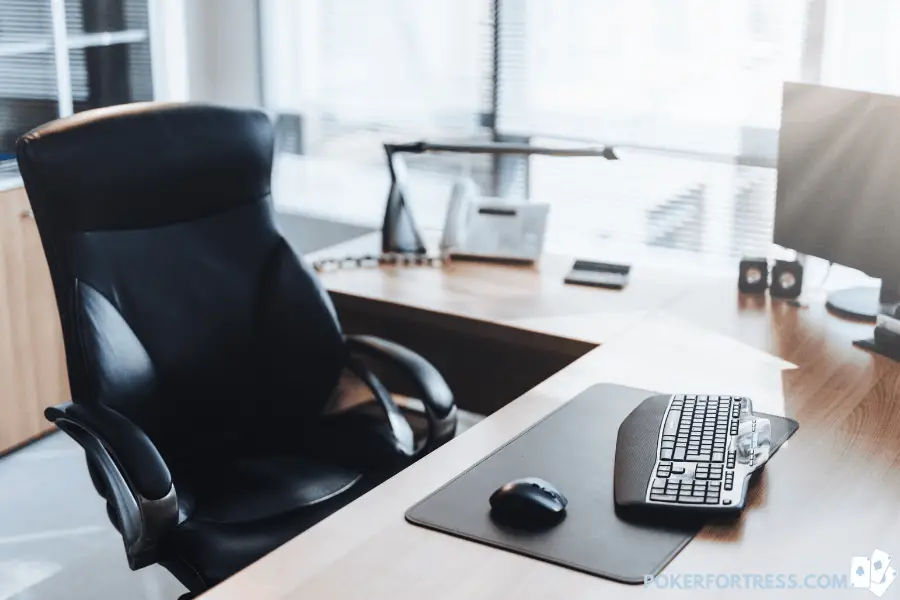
pixel 832 493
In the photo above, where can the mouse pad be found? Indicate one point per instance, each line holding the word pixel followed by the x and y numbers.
pixel 574 449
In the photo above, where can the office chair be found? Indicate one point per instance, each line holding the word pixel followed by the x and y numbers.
pixel 201 352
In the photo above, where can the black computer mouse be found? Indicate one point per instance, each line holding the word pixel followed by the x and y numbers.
pixel 528 503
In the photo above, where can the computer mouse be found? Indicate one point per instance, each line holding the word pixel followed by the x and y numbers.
pixel 528 503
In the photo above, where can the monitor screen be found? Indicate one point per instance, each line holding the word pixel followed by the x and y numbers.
pixel 838 192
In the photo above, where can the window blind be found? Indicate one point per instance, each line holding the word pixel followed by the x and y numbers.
pixel 27 72
pixel 112 35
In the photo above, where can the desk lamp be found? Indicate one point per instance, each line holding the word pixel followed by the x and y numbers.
pixel 399 233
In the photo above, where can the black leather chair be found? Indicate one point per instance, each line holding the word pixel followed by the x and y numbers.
pixel 201 352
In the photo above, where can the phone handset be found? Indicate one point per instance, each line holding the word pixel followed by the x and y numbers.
pixel 462 198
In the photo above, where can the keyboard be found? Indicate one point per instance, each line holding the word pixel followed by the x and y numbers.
pixel 704 450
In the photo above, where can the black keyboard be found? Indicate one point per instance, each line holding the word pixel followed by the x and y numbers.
pixel 707 448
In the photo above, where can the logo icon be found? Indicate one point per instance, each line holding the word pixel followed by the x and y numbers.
pixel 873 573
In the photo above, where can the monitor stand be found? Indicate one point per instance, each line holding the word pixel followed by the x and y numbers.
pixel 864 303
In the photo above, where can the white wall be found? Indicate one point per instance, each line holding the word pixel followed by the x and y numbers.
pixel 223 57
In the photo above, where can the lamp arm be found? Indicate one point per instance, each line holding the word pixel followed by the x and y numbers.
pixel 399 233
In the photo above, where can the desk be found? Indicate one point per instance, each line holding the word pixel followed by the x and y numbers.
pixel 475 320
pixel 832 493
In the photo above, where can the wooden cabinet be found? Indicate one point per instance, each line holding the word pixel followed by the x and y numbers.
pixel 32 360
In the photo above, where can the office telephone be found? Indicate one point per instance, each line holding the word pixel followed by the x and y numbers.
pixel 492 228
pixel 475 227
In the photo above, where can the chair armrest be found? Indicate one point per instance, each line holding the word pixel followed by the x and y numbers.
pixel 137 481
pixel 128 445
pixel 436 396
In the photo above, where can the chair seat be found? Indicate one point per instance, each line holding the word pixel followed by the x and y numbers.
pixel 244 509
pixel 234 512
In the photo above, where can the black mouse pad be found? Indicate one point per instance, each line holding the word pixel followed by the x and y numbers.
pixel 573 448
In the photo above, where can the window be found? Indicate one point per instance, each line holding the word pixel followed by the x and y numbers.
pixel 63 56
pixel 364 72
pixel 687 76
pixel 688 91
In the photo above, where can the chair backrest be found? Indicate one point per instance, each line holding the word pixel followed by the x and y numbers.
pixel 182 307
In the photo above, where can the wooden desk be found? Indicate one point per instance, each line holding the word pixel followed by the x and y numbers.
pixel 477 320
pixel 497 301
pixel 832 493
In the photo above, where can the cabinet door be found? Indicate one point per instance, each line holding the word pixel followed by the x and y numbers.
pixel 32 359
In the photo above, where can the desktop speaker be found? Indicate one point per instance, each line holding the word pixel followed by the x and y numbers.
pixel 754 275
pixel 787 279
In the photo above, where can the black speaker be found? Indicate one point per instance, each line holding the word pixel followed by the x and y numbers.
pixel 754 275
pixel 787 279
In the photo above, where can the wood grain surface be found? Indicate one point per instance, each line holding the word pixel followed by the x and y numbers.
pixel 32 361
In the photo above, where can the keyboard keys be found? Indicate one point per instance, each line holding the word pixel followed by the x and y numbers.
pixel 672 419
pixel 664 497
pixel 691 499
pixel 699 430
pixel 731 459
pixel 729 480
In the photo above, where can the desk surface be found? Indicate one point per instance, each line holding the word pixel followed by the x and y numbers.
pixel 503 300
pixel 832 493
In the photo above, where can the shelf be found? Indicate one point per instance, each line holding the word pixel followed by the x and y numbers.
pixel 37 44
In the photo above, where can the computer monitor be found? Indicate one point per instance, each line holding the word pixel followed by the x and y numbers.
pixel 838 192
